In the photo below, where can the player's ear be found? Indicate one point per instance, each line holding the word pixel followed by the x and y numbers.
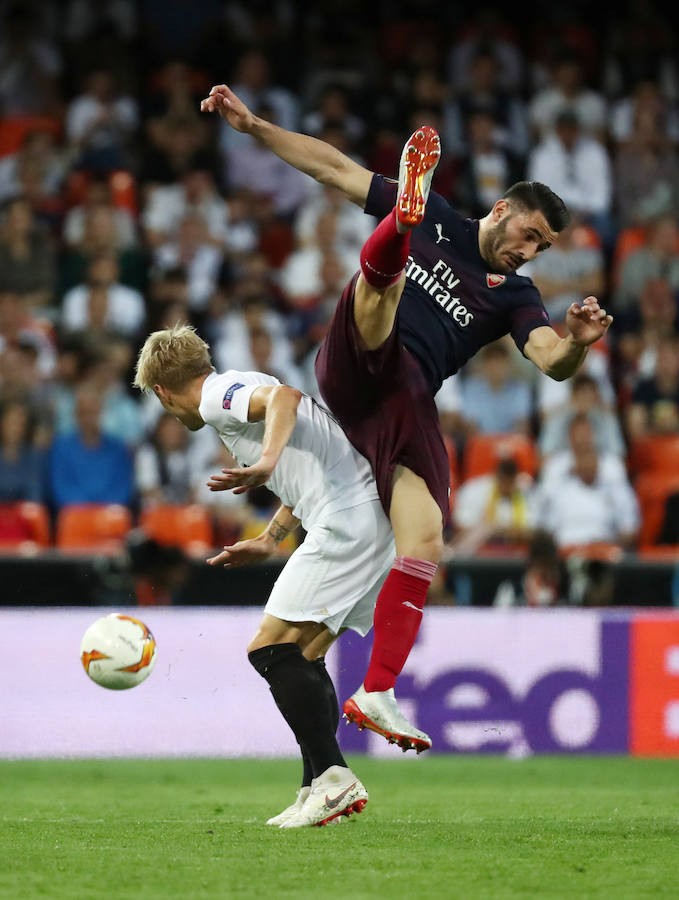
pixel 498 211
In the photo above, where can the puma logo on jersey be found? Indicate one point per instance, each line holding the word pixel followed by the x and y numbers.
pixel 439 232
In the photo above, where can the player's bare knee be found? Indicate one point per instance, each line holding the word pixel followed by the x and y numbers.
pixel 426 544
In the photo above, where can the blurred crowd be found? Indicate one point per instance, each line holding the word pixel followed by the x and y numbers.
pixel 123 209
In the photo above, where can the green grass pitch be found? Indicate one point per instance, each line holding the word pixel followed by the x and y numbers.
pixel 438 827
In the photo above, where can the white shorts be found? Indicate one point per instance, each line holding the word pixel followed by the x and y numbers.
pixel 334 577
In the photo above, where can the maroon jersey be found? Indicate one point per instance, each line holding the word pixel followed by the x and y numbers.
pixel 451 304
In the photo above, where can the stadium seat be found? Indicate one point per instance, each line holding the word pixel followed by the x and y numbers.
pixel 24 526
pixel 483 452
pixel 660 553
pixel 93 527
pixel 652 489
pixel 628 240
pixel 656 453
pixel 186 526
pixel 13 130
pixel 122 184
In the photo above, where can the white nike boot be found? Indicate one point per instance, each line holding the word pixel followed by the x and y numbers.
pixel 378 711
pixel 290 811
pixel 335 793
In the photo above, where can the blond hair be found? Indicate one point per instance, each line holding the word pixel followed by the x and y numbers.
pixel 172 358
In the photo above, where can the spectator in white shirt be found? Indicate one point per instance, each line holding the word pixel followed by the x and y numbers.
pixel 493 509
pixel 493 400
pixel 169 204
pixel 200 259
pixel 581 437
pixel 232 335
pixel 163 464
pixel 587 503
pixel 568 91
pixel 585 399
pixel 252 83
pixel 301 277
pixel 352 226
pixel 100 123
pixel 102 303
pixel 578 169
pixel 97 195
pixel 253 165
pixel 333 109
pixel 38 146
pixel 30 64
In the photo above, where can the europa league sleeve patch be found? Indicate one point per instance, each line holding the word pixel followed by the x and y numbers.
pixel 228 396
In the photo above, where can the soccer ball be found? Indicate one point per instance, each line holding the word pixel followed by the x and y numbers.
pixel 118 652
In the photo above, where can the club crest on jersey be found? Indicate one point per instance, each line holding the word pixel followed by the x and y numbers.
pixel 495 280
pixel 228 396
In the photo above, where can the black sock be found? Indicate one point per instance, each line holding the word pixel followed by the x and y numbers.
pixel 330 691
pixel 319 665
pixel 302 698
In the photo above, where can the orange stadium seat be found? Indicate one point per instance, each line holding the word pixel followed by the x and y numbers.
pixel 656 453
pixel 122 183
pixel 653 489
pixel 188 527
pixel 24 526
pixel 660 553
pixel 483 451
pixel 13 129
pixel 93 527
pixel 629 240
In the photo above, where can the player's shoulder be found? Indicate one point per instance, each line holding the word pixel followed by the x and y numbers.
pixel 220 388
pixel 519 287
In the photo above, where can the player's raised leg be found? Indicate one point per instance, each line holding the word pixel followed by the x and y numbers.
pixel 415 515
pixel 385 253
pixel 417 524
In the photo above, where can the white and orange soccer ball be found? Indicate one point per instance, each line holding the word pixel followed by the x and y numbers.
pixel 118 652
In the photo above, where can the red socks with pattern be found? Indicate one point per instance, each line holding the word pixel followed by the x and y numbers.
pixel 385 253
pixel 398 614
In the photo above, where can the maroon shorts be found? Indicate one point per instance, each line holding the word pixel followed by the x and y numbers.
pixel 384 404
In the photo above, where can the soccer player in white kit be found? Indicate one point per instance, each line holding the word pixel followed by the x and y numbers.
pixel 284 439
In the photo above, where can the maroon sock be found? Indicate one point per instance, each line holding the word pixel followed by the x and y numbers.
pixel 385 254
pixel 398 614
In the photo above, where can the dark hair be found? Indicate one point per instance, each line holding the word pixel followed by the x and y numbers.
pixel 543 548
pixel 507 467
pixel 582 379
pixel 534 195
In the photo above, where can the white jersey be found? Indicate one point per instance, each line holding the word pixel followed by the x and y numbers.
pixel 318 473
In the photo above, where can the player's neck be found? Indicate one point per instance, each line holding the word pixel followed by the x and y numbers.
pixel 484 224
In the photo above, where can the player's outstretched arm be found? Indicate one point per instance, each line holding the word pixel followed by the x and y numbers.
pixel 277 407
pixel 311 156
pixel 260 548
pixel 560 358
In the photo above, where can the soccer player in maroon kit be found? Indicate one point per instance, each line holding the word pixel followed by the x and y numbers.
pixel 433 289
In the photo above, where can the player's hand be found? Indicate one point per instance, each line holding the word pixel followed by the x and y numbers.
pixel 222 100
pixel 587 322
pixel 244 553
pixel 241 480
